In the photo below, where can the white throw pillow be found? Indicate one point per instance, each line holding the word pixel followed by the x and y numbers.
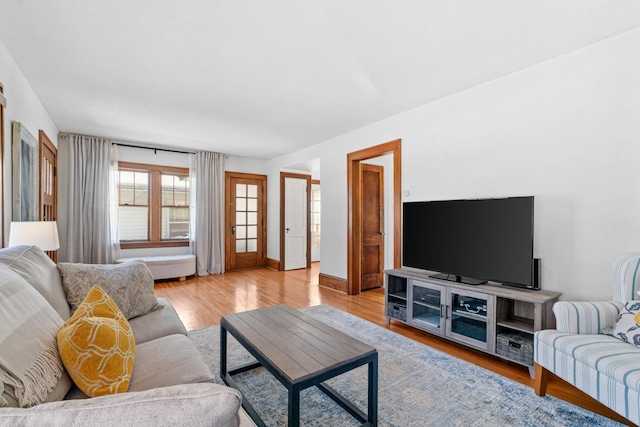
pixel 628 326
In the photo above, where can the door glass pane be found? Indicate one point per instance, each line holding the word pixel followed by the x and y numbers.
pixel 315 216
pixel 252 190
pixel 252 245
pixel 241 246
pixel 241 218
pixel 252 218
pixel 241 232
pixel 241 204
pixel 252 231
pixel 252 205
pixel 241 190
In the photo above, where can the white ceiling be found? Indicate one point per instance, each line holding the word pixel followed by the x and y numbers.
pixel 259 78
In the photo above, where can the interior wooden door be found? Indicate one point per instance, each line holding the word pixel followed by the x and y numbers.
pixel 372 226
pixel 48 210
pixel 245 221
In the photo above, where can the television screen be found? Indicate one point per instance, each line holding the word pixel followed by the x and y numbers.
pixel 485 239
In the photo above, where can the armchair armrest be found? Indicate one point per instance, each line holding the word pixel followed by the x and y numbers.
pixel 586 317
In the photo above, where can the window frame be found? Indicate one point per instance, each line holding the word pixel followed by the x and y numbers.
pixel 154 219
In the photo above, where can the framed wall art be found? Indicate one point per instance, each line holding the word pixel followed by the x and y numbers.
pixel 25 174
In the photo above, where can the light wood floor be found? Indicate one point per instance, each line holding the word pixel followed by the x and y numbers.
pixel 201 301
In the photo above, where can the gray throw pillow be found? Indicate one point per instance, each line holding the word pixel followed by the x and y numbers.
pixel 129 284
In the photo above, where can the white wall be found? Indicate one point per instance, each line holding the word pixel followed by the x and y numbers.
pixel 22 106
pixel 566 131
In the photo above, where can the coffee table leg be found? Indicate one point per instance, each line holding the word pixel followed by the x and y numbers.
pixel 223 354
pixel 294 408
pixel 373 392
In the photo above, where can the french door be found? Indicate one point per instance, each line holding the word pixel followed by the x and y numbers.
pixel 48 202
pixel 246 202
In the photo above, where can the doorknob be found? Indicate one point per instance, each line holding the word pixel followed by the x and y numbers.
pixel 287 229
pixel 233 229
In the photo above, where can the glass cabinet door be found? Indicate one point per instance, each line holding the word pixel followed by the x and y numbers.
pixel 427 306
pixel 470 321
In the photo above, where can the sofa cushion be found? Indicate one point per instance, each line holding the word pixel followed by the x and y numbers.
pixel 191 405
pixel 97 346
pixel 163 362
pixel 36 267
pixel 129 284
pixel 157 324
pixel 589 362
pixel 30 366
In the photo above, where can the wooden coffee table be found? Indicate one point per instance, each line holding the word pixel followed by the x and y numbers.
pixel 300 352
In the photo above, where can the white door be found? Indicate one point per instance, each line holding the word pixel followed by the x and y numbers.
pixel 295 223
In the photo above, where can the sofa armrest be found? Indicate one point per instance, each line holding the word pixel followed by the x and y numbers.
pixel 203 404
pixel 586 317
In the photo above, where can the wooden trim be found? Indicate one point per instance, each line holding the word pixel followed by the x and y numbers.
pixel 154 219
pixel 333 282
pixel 160 244
pixel 48 184
pixel 315 182
pixel 227 197
pixel 143 167
pixel 284 175
pixel 273 263
pixel 354 206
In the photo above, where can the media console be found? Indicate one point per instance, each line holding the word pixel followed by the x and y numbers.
pixel 497 320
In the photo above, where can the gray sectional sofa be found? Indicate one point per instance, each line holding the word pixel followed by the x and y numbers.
pixel 170 383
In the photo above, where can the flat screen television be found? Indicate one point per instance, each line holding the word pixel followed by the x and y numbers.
pixel 472 241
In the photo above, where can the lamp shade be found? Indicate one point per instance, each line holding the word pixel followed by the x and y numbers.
pixel 43 234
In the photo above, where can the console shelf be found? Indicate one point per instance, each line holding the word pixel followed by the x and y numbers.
pixel 497 320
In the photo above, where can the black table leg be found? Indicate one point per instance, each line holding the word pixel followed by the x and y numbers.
pixel 373 392
pixel 223 353
pixel 294 407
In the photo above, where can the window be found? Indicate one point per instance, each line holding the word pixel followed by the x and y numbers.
pixel 153 205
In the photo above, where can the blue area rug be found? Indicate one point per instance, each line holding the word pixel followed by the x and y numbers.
pixel 418 386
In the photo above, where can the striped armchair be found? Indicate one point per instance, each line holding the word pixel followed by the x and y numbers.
pixel 602 366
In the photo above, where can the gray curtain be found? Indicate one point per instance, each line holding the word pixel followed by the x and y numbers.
pixel 207 212
pixel 88 180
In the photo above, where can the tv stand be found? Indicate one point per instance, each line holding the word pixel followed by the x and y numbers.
pixel 497 320
pixel 459 279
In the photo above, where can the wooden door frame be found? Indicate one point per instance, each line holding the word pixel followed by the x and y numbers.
pixel 44 141
pixel 354 206
pixel 227 198
pixel 284 175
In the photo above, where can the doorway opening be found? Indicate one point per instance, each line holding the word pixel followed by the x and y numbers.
pixel 295 235
pixel 355 239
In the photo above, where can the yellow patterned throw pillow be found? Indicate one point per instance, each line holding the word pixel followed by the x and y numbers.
pixel 97 346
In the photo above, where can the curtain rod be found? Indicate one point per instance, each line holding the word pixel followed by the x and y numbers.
pixel 155 150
